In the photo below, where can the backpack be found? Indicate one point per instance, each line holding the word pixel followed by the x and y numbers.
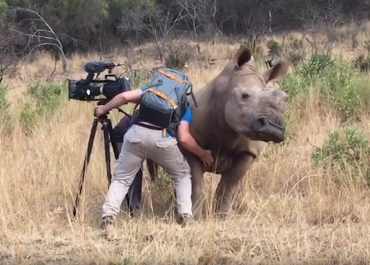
pixel 164 101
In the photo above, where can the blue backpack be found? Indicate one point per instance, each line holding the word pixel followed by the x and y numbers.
pixel 164 101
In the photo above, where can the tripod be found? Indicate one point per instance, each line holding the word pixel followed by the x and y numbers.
pixel 108 139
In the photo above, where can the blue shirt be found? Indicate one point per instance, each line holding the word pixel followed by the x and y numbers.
pixel 187 114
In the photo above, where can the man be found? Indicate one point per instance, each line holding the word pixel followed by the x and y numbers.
pixel 144 140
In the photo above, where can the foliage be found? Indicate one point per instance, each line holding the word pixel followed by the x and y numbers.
pixel 175 62
pixel 347 148
pixel 27 119
pixel 139 78
pixel 84 24
pixel 362 62
pixel 335 79
pixel 5 118
pixel 274 48
pixel 45 99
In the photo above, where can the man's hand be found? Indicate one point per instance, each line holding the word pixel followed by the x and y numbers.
pixel 99 111
pixel 207 158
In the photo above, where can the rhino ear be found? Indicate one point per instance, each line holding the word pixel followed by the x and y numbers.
pixel 242 56
pixel 278 71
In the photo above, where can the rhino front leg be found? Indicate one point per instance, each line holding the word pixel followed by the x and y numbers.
pixel 229 181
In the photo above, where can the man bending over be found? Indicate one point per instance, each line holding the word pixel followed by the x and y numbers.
pixel 144 140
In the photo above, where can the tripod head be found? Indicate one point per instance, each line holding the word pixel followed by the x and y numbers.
pixel 105 116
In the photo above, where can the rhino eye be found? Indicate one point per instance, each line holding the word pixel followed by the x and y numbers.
pixel 245 95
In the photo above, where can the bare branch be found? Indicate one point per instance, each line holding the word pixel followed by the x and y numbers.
pixel 52 41
pixel 161 34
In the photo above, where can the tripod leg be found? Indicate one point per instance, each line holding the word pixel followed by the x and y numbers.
pixel 106 125
pixel 86 162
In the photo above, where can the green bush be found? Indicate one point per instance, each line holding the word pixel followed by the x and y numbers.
pixel 175 61
pixel 295 51
pixel 344 150
pixel 316 67
pixel 289 126
pixel 45 98
pixel 335 79
pixel 294 43
pixel 27 118
pixel 296 57
pixel 315 70
pixel 274 47
pixel 293 86
pixel 139 78
pixel 362 63
pixel 5 118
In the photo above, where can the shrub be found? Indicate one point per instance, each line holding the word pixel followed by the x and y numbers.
pixel 295 57
pixel 293 85
pixel 316 67
pixel 5 118
pixel 289 126
pixel 45 99
pixel 362 63
pixel 334 79
pixel 274 48
pixel 175 61
pixel 344 150
pixel 27 118
pixel 139 78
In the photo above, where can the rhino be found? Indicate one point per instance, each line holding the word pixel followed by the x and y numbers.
pixel 235 117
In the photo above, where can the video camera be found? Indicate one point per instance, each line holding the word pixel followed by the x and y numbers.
pixel 90 87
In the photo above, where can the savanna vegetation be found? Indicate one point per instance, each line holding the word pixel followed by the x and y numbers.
pixel 303 201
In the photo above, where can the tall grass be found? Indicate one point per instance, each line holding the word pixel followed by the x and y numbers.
pixel 303 200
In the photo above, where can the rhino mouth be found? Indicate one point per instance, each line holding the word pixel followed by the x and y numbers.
pixel 266 128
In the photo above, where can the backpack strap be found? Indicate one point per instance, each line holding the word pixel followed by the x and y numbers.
pixel 162 95
pixel 191 93
pixel 171 76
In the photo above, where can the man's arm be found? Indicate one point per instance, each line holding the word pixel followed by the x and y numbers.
pixel 124 98
pixel 185 138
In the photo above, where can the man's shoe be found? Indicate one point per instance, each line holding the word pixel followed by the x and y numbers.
pixel 106 222
pixel 183 219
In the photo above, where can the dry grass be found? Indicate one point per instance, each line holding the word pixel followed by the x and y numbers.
pixel 285 212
